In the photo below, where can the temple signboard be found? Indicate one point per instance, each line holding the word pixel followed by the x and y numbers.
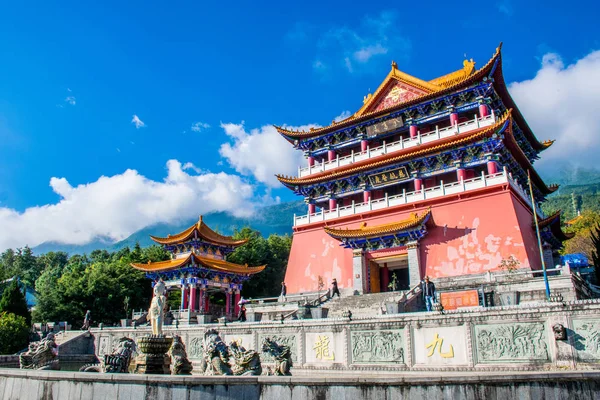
pixel 385 126
pixel 463 298
pixel 387 177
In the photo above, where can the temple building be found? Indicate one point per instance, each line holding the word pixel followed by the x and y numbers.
pixel 428 177
pixel 199 268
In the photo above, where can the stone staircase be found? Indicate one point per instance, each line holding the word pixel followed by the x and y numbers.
pixel 370 304
pixel 64 336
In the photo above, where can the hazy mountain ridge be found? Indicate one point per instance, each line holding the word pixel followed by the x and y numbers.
pixel 274 219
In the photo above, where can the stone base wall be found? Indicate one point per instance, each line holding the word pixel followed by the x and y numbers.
pixel 45 385
pixel 515 338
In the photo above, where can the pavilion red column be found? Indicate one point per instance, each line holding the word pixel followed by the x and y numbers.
pixel 193 304
pixel 461 174
pixel 236 305
pixel 413 131
pixel 385 277
pixel 332 204
pixel 363 145
pixel 206 301
pixel 311 208
pixel 453 118
pixel 311 161
pixel 492 167
pixel 330 155
pixel 366 196
pixel 483 110
pixel 418 184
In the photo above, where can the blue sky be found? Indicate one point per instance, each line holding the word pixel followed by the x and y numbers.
pixel 74 76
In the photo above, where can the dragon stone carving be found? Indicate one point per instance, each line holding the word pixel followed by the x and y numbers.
pixel 116 363
pixel 41 355
pixel 282 355
pixel 215 355
pixel 246 362
pixel 180 363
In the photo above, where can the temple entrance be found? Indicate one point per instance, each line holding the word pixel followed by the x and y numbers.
pixel 391 274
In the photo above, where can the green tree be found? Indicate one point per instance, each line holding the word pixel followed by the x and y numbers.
pixel 13 301
pixel 27 266
pixel 14 333
pixel 273 252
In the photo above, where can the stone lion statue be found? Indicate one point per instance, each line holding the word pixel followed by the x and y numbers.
pixel 282 355
pixel 245 362
pixel 215 355
pixel 180 365
pixel 42 355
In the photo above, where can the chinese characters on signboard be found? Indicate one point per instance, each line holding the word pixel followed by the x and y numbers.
pixel 454 300
pixel 384 178
pixel 384 126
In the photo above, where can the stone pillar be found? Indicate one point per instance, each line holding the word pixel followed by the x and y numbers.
pixel 483 110
pixel 311 208
pixel 413 131
pixel 193 304
pixel 358 270
pixel 418 184
pixel 461 174
pixel 332 204
pixel 453 118
pixel 363 145
pixel 384 272
pixel 366 196
pixel 492 167
pixel 330 155
pixel 414 263
pixel 202 299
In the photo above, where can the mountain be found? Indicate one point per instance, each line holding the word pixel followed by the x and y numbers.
pixel 275 219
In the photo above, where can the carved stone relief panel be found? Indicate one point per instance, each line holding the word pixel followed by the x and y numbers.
pixel 194 347
pixel 513 342
pixel 104 345
pixel 281 339
pixel 372 347
pixel 586 340
pixel 244 340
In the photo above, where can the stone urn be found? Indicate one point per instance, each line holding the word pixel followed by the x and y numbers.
pixel 204 318
pixel 154 358
pixel 319 312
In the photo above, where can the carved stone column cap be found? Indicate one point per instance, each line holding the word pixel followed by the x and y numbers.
pixel 357 253
pixel 412 244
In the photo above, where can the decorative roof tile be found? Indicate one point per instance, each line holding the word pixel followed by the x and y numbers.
pixel 204 232
pixel 365 231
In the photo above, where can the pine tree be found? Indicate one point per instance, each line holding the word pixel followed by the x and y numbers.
pixel 595 235
pixel 13 301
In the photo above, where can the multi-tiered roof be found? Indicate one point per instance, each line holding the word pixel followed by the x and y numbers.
pixel 199 251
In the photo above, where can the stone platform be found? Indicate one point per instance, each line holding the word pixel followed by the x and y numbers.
pixel 512 338
pixel 29 385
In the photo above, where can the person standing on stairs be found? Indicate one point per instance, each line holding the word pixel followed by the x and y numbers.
pixel 334 288
pixel 428 293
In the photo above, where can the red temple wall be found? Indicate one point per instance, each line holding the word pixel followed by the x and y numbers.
pixel 467 236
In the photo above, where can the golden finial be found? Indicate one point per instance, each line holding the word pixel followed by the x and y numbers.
pixel 394 65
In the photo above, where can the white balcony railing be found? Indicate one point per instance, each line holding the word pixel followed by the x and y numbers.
pixel 411 197
pixel 387 148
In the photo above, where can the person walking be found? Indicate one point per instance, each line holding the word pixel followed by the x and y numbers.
pixel 242 316
pixel 428 293
pixel 283 292
pixel 87 320
pixel 334 288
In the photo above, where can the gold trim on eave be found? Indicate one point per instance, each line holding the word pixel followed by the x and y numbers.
pixel 370 231
pixel 203 232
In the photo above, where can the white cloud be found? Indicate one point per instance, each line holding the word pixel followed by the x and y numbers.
pixel 261 153
pixel 114 207
pixel 345 114
pixel 189 165
pixel 561 103
pixel 137 122
pixel 71 100
pixel 353 48
pixel 505 7
pixel 199 126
